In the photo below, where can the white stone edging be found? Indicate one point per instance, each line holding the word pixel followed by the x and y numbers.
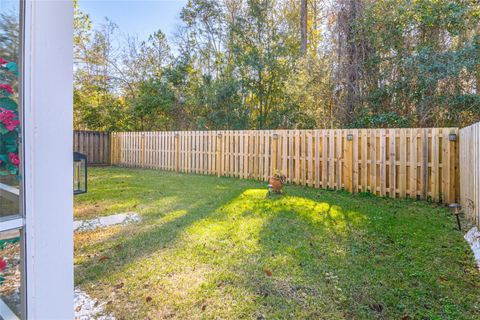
pixel 101 222
pixel 473 238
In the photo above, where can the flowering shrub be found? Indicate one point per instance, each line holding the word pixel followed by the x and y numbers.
pixel 9 121
pixel 6 87
pixel 3 264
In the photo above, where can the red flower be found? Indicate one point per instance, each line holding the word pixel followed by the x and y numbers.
pixel 3 264
pixel 3 61
pixel 14 159
pixel 9 119
pixel 6 87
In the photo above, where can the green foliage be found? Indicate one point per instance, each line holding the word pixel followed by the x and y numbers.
pixel 425 55
pixel 220 105
pixel 380 120
pixel 239 65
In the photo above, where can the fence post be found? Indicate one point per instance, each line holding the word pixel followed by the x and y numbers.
pixel 274 152
pixel 112 144
pixel 219 154
pixel 142 151
pixel 424 168
pixel 177 152
pixel 348 154
pixel 450 164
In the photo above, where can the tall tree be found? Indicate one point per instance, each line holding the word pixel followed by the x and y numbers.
pixel 303 25
pixel 285 64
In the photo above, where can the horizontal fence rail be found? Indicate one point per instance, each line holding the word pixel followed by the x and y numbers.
pixel 470 172
pixel 94 144
pixel 416 163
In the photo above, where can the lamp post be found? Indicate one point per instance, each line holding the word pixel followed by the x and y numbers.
pixel 79 173
pixel 456 209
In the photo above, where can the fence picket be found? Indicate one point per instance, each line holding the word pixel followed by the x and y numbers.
pixel 392 163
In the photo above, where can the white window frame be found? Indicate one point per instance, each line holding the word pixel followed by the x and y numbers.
pixel 47 77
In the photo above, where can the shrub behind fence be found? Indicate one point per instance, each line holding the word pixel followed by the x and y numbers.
pixel 417 163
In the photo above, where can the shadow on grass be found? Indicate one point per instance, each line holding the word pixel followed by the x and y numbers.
pixel 355 258
pixel 307 254
pixel 300 244
pixel 193 198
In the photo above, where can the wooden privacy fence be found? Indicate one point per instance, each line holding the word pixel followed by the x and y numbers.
pixel 94 144
pixel 470 171
pixel 417 163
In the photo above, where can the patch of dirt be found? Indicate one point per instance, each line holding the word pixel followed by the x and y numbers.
pixel 85 211
pixel 96 236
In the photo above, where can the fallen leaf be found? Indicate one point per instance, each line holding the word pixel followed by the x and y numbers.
pixel 103 258
pixel 267 272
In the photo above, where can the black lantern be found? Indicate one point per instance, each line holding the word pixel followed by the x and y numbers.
pixel 79 173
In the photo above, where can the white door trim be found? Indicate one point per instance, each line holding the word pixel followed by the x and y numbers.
pixel 47 72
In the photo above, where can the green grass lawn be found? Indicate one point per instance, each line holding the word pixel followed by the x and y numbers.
pixel 213 247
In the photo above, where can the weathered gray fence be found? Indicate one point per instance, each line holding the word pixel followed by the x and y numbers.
pixel 94 144
pixel 470 171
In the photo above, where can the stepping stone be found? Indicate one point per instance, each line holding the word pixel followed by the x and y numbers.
pixel 92 224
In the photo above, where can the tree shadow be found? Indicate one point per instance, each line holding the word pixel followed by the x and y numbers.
pixel 160 227
pixel 290 273
pixel 355 257
pixel 306 254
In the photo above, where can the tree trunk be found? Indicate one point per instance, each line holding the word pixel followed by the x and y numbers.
pixel 303 25
pixel 352 62
pixel 349 59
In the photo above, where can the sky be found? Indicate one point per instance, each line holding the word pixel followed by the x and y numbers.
pixel 140 17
